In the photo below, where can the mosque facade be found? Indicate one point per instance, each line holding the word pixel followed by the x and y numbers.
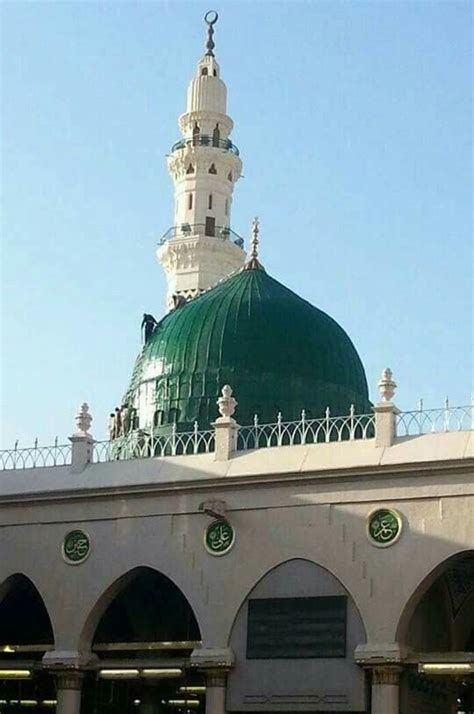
pixel 255 535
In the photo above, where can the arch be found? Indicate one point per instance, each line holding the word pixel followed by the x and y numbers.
pixel 297 624
pixel 212 169
pixel 216 135
pixel 275 567
pixel 24 618
pixel 116 590
pixel 424 585
pixel 204 72
pixel 158 417
pixel 190 169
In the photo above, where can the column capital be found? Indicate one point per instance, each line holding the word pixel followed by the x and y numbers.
pixel 386 674
pixel 69 679
pixel 216 677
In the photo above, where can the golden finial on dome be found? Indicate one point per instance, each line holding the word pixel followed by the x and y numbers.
pixel 253 262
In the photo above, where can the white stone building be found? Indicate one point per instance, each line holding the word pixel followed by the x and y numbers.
pixel 319 561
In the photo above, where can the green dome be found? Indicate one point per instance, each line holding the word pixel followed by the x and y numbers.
pixel 278 353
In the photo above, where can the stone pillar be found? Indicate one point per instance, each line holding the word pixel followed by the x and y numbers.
pixel 226 438
pixel 385 411
pixel 225 426
pixel 385 689
pixel 82 441
pixel 68 692
pixel 215 691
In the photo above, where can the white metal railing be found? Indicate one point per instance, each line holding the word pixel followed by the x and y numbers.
pixel 425 421
pixel 306 431
pixel 140 445
pixel 34 457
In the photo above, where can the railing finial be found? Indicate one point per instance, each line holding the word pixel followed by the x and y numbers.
pixel 387 385
pixel 83 420
pixel 226 404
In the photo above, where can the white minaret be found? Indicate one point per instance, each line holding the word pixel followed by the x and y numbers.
pixel 200 248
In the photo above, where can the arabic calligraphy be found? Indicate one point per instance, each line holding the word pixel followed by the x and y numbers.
pixel 384 527
pixel 76 547
pixel 219 537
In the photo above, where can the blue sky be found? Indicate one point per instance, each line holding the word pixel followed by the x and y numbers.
pixel 354 125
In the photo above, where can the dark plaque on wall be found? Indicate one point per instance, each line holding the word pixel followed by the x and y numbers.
pixel 296 627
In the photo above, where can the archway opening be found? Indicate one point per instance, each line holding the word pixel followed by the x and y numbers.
pixel 26 635
pixel 144 639
pixel 438 629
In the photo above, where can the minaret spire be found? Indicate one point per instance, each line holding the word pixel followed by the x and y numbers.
pixel 210 18
pixel 200 249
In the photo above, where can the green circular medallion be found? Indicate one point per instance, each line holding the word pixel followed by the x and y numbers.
pixel 219 537
pixel 384 527
pixel 76 547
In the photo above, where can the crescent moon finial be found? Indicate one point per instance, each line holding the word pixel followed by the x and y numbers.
pixel 210 18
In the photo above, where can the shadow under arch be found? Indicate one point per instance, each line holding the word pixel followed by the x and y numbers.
pixel 138 592
pixel 277 565
pixel 24 617
pixel 427 581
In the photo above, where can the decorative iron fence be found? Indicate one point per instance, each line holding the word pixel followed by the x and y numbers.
pixel 425 421
pixel 141 445
pixel 306 431
pixel 206 140
pixel 35 456
pixel 188 229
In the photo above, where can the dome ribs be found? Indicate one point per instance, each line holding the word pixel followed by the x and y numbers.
pixel 274 348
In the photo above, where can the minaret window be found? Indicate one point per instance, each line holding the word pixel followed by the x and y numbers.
pixel 190 169
pixel 229 175
pixel 216 136
pixel 196 132
pixel 212 169
pixel 210 229
pixel 204 72
pixel 209 205
pixel 190 201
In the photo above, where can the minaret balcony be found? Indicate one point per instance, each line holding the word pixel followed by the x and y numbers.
pixel 188 230
pixel 206 140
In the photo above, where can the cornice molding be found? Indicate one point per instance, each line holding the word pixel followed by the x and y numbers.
pixel 224 483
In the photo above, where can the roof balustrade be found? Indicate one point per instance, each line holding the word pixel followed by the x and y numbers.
pixel 140 443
